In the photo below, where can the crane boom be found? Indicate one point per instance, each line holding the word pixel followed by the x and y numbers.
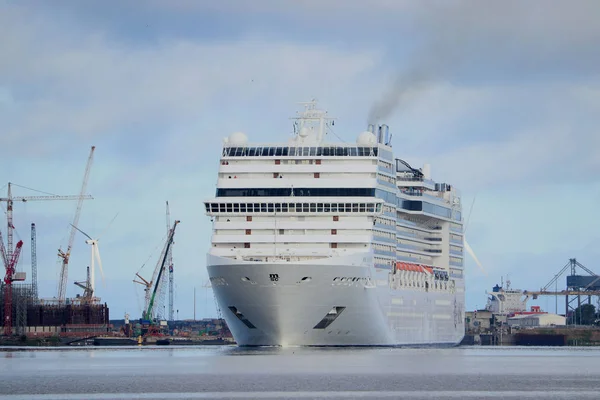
pixel 3 252
pixel 148 312
pixel 62 284
pixel 170 265
pixel 9 211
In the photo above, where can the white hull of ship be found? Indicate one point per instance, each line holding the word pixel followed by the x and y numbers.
pixel 283 310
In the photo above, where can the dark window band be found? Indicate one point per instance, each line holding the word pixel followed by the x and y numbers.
pixel 300 151
pixel 297 192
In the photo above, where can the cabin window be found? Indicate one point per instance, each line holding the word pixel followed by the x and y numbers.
pixel 333 245
pixel 249 218
pixel 336 218
pixel 248 231
pixel 246 245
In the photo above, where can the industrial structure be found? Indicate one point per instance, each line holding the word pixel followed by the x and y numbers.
pixel 152 315
pixel 506 319
pixel 23 312
pixel 170 265
pixel 65 255
pixel 580 290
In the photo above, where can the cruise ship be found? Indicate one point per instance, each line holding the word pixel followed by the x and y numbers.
pixel 316 243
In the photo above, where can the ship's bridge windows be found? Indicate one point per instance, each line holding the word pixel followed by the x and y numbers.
pixel 295 208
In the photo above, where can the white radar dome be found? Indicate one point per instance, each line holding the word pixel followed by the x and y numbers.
pixel 366 138
pixel 304 132
pixel 238 139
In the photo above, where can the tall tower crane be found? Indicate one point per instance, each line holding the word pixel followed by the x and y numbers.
pixel 34 280
pixel 170 265
pixel 65 255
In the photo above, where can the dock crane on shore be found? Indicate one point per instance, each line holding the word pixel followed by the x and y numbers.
pixel 65 255
pixel 154 285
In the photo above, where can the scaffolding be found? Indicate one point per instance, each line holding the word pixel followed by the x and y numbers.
pixel 52 317
pixel 22 298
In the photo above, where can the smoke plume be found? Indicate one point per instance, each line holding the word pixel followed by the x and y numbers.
pixel 407 86
pixel 492 42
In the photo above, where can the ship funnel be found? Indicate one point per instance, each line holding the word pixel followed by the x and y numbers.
pixel 372 129
pixel 379 135
pixel 427 171
pixel 385 133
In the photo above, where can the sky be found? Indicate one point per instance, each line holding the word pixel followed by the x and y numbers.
pixel 502 99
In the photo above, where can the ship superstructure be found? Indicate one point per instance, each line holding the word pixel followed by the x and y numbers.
pixel 506 301
pixel 316 243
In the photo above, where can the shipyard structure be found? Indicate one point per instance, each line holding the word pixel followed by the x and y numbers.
pixel 22 311
pixel 507 320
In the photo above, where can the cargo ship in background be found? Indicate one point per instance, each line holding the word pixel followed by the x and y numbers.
pixel 334 244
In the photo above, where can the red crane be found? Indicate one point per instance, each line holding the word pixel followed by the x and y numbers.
pixel 10 263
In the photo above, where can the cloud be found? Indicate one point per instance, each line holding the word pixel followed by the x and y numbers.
pixel 69 89
pixel 489 137
pixel 508 42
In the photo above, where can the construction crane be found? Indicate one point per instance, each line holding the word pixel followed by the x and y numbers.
pixel 88 292
pixel 153 285
pixel 65 255
pixel 10 276
pixel 577 286
pixel 170 264
pixel 9 210
pixel 10 257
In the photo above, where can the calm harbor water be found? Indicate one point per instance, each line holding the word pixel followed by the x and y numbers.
pixel 300 373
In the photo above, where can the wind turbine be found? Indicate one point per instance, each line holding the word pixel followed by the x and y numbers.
pixel 95 256
pixel 467 247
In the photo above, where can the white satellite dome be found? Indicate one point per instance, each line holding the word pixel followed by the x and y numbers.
pixel 366 138
pixel 238 139
pixel 304 132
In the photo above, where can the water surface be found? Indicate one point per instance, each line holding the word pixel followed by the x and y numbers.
pixel 293 373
